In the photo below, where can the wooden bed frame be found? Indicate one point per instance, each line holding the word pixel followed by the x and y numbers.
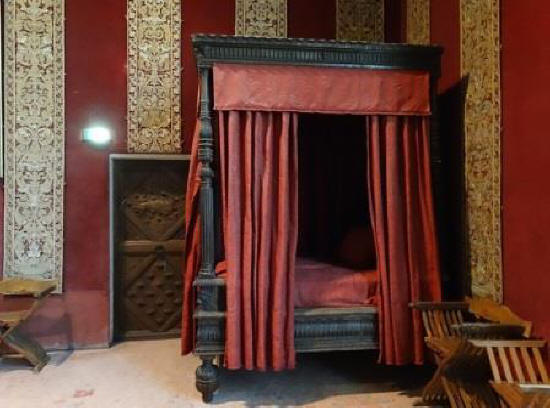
pixel 319 329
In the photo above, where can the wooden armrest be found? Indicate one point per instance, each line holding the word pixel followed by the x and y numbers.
pixel 439 305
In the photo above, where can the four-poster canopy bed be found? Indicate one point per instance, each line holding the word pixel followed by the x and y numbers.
pixel 257 289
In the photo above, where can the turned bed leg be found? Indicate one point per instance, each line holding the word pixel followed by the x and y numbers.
pixel 207 378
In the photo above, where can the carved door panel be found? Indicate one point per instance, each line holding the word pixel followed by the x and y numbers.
pixel 150 245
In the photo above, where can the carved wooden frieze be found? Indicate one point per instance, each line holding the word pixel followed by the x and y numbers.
pixel 261 18
pixel 418 21
pixel 360 20
pixel 34 105
pixel 480 63
pixel 154 71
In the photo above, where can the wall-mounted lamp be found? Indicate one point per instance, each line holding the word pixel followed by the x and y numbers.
pixel 98 136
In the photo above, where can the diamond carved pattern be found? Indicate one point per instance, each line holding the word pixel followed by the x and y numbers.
pixel 152 211
pixel 154 297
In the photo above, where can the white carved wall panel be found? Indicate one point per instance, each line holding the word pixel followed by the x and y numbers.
pixel 261 18
pixel 154 72
pixel 34 60
pixel 360 20
pixel 480 62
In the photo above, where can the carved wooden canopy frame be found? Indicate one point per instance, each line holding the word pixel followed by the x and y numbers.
pixel 325 329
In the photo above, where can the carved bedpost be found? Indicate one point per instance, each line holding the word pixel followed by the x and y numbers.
pixel 436 167
pixel 207 302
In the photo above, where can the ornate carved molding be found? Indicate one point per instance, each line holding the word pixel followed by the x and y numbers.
pixel 480 62
pixel 360 20
pixel 302 51
pixel 154 71
pixel 418 21
pixel 261 18
pixel 34 107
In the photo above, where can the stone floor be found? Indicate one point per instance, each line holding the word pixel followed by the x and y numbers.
pixel 152 374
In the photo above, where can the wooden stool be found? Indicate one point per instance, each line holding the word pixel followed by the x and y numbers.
pixel 10 333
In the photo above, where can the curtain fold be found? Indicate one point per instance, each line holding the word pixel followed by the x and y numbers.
pixel 402 216
pixel 259 177
pixel 192 244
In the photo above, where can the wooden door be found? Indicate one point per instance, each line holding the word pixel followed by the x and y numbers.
pixel 150 245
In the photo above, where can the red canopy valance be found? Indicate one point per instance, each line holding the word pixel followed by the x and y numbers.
pixel 323 90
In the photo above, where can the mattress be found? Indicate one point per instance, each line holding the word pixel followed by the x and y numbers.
pixel 320 284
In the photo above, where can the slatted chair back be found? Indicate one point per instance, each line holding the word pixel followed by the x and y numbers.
pixel 440 319
pixel 516 361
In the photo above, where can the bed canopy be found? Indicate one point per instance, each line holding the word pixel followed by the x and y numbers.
pixel 242 277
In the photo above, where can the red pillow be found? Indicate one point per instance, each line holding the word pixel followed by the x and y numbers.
pixel 357 249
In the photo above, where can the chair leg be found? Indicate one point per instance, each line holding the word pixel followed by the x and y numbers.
pixel 207 378
pixel 31 350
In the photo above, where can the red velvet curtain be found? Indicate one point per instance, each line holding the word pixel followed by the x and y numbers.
pixel 402 217
pixel 259 178
pixel 192 245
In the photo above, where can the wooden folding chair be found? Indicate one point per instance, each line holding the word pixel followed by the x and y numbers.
pixel 440 320
pixel 465 376
pixel 10 334
pixel 446 323
pixel 515 362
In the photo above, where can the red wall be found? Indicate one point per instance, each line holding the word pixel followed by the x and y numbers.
pixel 525 146
pixel 312 19
pixel 205 16
pixel 306 18
pixel 526 159
pixel 96 92
pixel 445 31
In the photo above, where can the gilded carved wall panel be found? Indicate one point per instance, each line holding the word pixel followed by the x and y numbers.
pixel 261 18
pixel 418 21
pixel 480 63
pixel 360 20
pixel 34 105
pixel 154 71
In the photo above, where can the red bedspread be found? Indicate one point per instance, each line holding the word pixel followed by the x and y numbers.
pixel 321 284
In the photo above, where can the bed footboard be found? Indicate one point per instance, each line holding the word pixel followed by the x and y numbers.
pixel 315 330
